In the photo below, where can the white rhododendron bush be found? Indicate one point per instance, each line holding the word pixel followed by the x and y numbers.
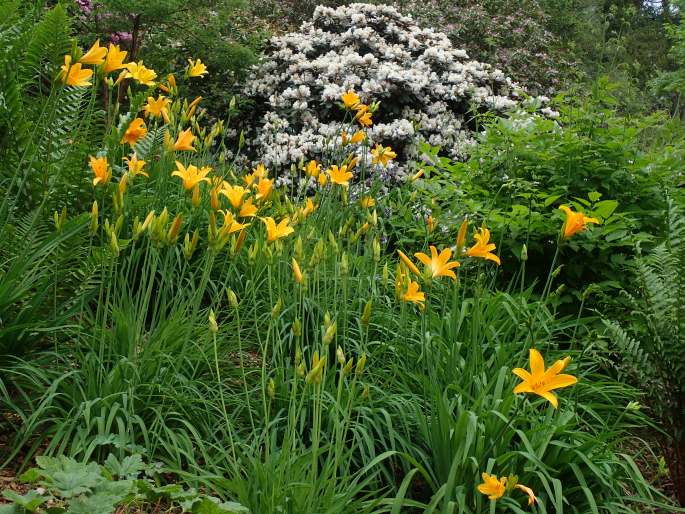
pixel 428 90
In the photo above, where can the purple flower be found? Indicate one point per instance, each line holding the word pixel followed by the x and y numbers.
pixel 86 6
pixel 120 37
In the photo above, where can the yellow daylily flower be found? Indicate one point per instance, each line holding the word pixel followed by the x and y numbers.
pixel 483 248
pixel 340 175
pixel 135 166
pixel 367 202
pixel 135 131
pixel 542 382
pixel 158 107
pixel 191 176
pixel 138 72
pixel 575 221
pixel 439 265
pixel 196 68
pixel 95 56
pixel 184 141
pixel 493 487
pixel 264 188
pixel 414 295
pixel 73 75
pixel 248 209
pixel 230 225
pixel 234 194
pixel 259 172
pixel 350 99
pixel 382 155
pixel 358 137
pixel 363 117
pixel 101 170
pixel 115 59
pixel 308 208
pixel 277 231
pixel 312 169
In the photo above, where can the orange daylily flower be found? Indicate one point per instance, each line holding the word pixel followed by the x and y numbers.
pixel 575 221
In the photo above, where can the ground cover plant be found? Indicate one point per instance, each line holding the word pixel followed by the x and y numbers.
pixel 183 329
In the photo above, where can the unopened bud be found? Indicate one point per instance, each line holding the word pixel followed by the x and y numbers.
pixel 340 355
pixel 361 364
pixel 366 314
pixel 213 326
pixel 271 388
pixel 329 334
pixel 94 218
pixel 232 298
pixel 114 243
pixel 344 266
pixel 524 253
pixel 277 308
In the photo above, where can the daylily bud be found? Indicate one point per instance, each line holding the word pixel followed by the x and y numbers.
pixel 239 241
pixel 114 243
pixel 232 298
pixel 376 250
pixel 524 253
pixel 316 373
pixel 297 328
pixel 300 369
pixel 344 266
pixel 330 333
pixel 196 195
pixel 348 366
pixel 340 355
pixel 385 274
pixel 361 364
pixel 60 219
pixel 94 219
pixel 148 220
pixel 365 393
pixel 119 224
pixel 277 308
pixel 189 245
pixel 174 229
pixel 633 406
pixel 297 249
pixel 366 314
pixel 297 272
pixel 327 320
pixel 271 388
pixel 461 236
pixel 213 326
pixel 214 199
pixel 333 243
pixel 416 176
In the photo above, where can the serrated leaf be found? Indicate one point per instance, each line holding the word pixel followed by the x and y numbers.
pixel 29 501
pixel 210 505
pixel 129 467
pixel 102 503
pixel 31 476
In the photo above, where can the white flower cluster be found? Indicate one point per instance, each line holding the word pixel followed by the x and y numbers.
pixel 427 89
